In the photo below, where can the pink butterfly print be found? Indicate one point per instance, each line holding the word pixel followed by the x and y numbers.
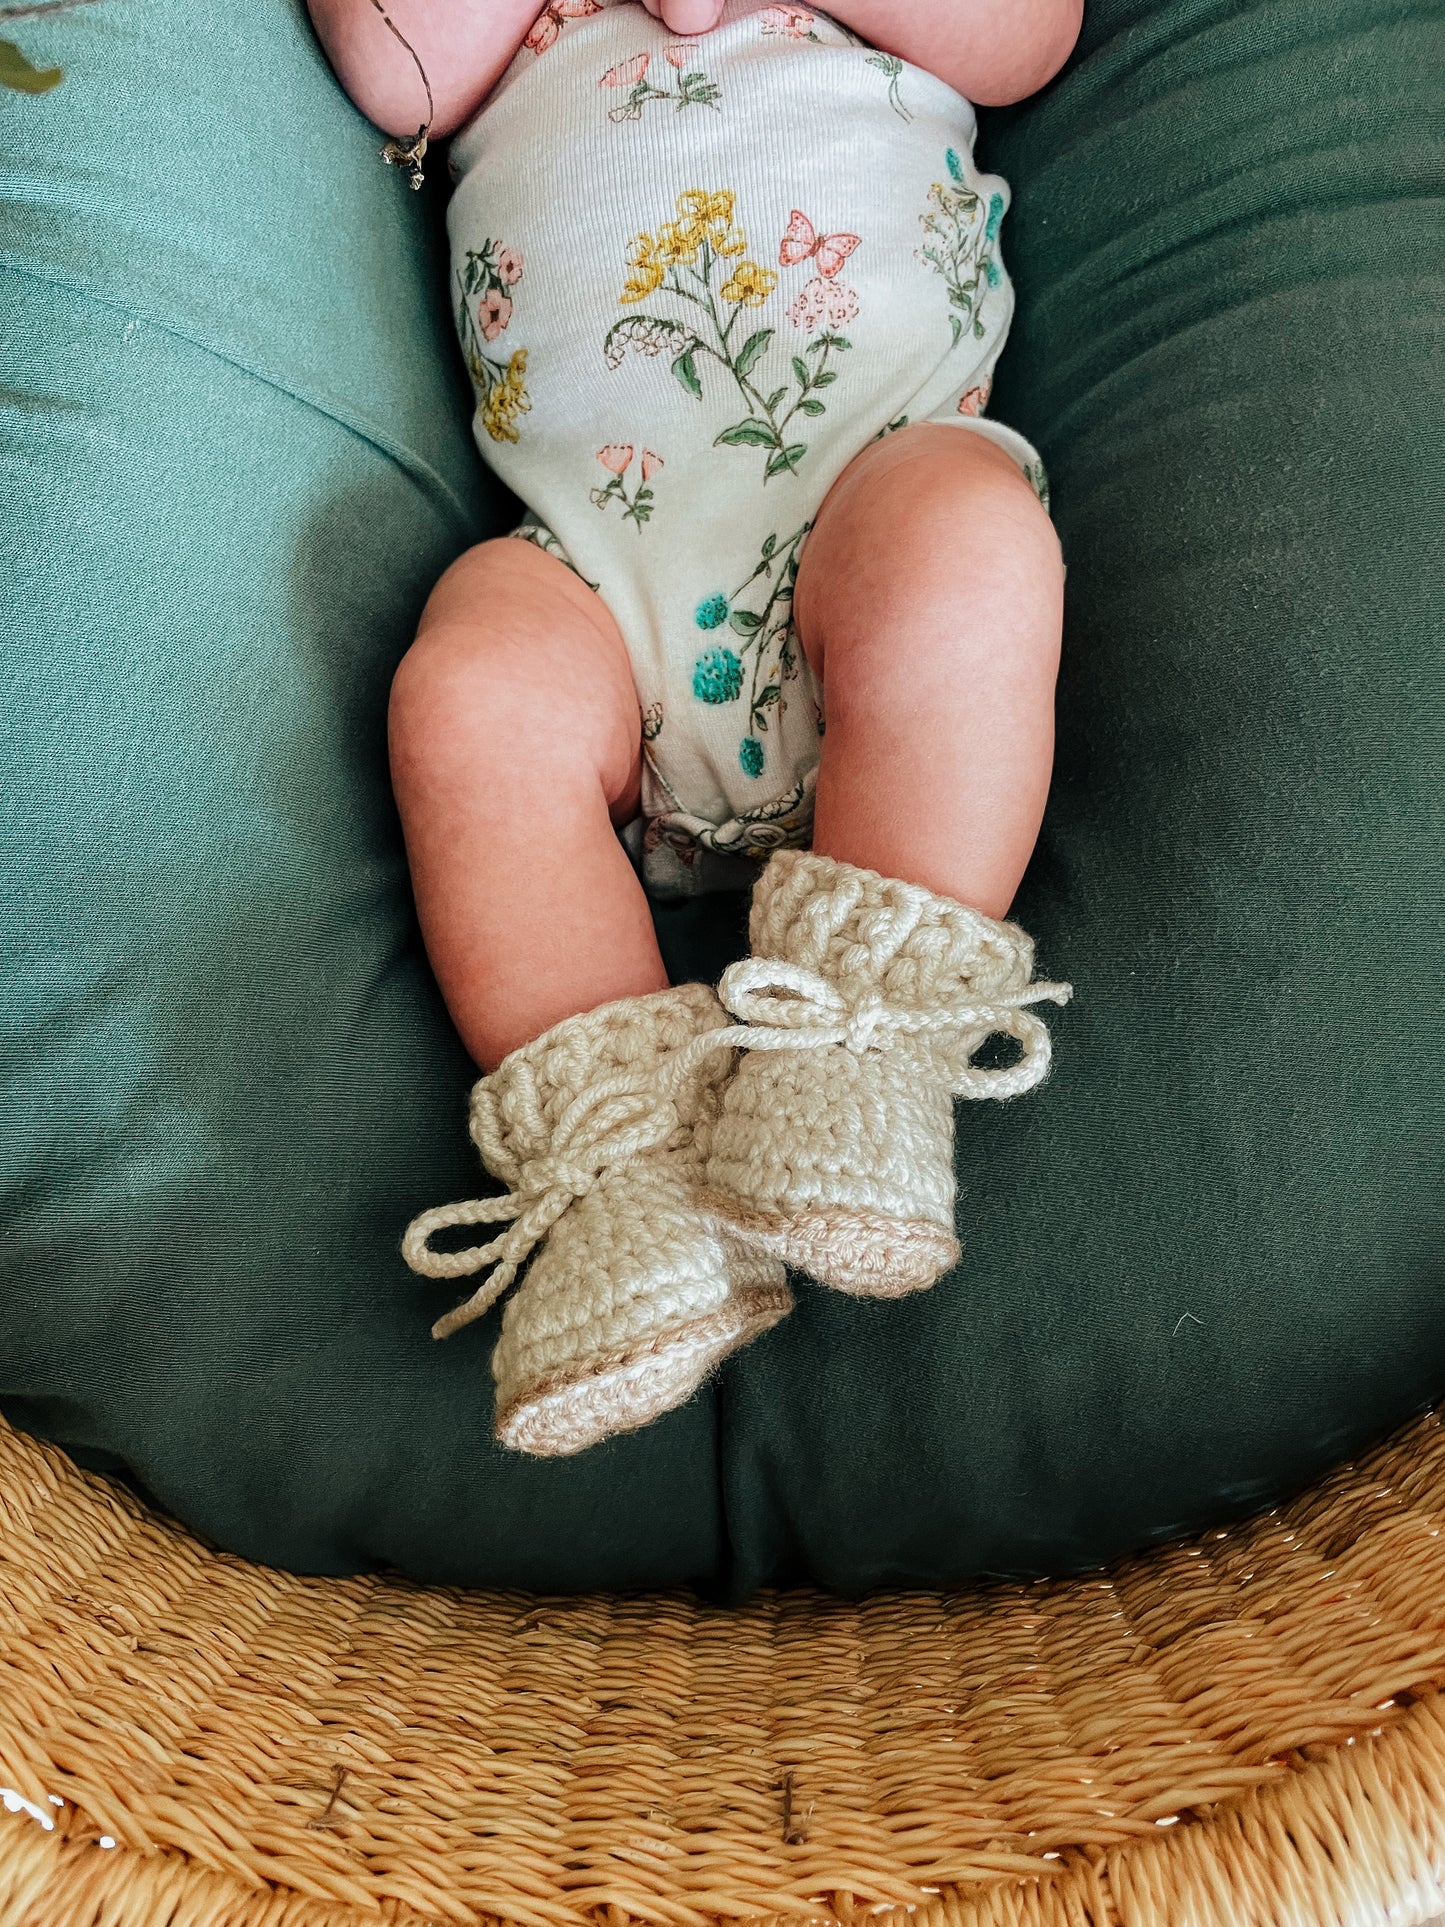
pixel 803 240
pixel 547 27
pixel 626 73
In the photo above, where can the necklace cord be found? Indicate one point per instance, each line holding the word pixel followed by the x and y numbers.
pixel 408 154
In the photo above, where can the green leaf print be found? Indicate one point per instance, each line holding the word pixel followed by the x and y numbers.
pixel 754 346
pixel 787 458
pixel 745 622
pixel 685 368
pixel 751 433
pixel 892 66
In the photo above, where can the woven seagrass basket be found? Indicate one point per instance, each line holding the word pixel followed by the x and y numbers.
pixel 1239 1732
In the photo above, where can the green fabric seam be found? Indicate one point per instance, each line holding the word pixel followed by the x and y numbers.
pixel 405 458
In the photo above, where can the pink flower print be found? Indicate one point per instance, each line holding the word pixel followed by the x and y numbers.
pixel 494 311
pixel 820 300
pixel 795 22
pixel 626 73
pixel 509 266
pixel 677 53
pixel 974 400
pixel 616 457
pixel 802 241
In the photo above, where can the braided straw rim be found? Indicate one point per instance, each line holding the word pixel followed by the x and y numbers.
pixel 1241 1731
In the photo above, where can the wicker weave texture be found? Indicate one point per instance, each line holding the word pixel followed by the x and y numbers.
pixel 1237 1732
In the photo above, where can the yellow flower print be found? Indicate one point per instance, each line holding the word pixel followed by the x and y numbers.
pixel 642 256
pixel 709 217
pixel 749 284
pixel 699 260
pixel 678 243
pixel 700 209
pixel 507 400
pixel 704 219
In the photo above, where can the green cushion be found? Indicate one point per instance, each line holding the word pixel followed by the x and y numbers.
pixel 1200 1265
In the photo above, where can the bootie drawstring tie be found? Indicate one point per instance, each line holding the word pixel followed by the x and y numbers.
pixel 784 1006
pixel 606 1125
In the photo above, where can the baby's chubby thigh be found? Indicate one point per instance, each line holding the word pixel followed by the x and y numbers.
pixel 929 603
pixel 515 751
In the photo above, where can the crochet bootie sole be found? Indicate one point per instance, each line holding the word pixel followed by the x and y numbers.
pixel 569 1409
pixel 864 1253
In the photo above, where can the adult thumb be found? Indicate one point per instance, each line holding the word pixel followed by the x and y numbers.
pixel 691 16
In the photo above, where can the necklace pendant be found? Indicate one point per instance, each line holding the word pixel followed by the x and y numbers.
pixel 407 155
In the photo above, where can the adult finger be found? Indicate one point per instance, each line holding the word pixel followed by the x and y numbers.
pixel 691 16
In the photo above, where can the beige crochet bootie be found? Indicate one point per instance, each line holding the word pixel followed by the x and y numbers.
pixel 600 1129
pixel 863 1001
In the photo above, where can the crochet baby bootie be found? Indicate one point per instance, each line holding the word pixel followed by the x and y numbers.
pixel 863 1003
pixel 599 1129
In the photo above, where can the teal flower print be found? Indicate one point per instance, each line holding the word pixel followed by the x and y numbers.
pixel 993 274
pixel 750 755
pixel 712 613
pixel 995 216
pixel 717 676
pixel 955 165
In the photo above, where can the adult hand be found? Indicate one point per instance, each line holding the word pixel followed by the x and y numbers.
pixel 686 16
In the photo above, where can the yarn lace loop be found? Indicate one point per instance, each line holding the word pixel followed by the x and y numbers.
pixel 789 1006
pixel 606 1124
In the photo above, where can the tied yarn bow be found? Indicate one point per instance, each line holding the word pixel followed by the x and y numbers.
pixel 784 1006
pixel 601 1127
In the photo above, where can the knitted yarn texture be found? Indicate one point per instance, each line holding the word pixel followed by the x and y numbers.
pixel 636 1297
pixel 863 1004
pixel 552 1118
pixel 637 1293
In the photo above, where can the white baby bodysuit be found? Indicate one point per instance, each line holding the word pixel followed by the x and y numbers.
pixel 692 279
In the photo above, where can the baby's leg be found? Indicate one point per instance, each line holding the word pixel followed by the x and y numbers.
pixel 515 750
pixel 929 602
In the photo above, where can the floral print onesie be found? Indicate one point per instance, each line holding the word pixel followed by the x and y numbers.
pixel 692 279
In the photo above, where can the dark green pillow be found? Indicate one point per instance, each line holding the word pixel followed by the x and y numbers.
pixel 1201 1264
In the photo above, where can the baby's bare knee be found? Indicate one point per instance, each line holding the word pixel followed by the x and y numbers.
pixel 459 679
pixel 972 500
pixel 511 667
pixel 925 529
